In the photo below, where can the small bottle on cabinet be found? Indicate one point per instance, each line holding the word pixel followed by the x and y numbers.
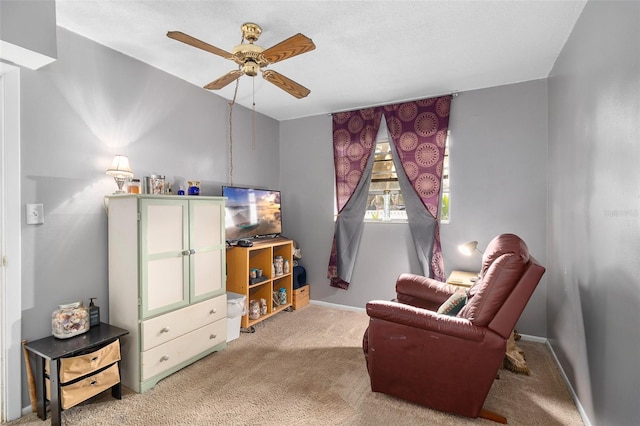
pixel 94 313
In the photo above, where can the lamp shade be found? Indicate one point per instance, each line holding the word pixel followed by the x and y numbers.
pixel 468 248
pixel 120 167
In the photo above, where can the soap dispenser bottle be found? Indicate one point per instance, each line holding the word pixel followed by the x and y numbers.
pixel 94 313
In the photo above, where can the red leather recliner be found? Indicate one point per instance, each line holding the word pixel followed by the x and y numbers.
pixel 449 362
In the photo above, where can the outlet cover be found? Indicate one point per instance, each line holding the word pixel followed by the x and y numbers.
pixel 35 214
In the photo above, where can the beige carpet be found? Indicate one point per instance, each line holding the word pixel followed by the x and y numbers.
pixel 306 368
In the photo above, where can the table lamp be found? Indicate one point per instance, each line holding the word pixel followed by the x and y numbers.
pixel 120 171
pixel 469 248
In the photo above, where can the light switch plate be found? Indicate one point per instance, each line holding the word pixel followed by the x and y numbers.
pixel 35 214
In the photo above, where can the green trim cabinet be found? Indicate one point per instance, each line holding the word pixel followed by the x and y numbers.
pixel 166 282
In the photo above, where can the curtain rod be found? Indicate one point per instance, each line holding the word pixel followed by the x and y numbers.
pixel 453 94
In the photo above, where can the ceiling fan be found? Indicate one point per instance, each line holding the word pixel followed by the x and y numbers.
pixel 252 58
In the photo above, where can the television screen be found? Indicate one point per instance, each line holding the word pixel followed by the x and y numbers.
pixel 251 213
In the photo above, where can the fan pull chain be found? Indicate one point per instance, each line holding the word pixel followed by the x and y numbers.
pixel 253 117
pixel 231 104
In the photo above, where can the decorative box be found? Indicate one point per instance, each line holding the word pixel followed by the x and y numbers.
pixel 301 297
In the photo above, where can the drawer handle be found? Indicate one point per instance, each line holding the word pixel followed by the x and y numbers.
pixel 94 359
pixel 185 252
pixel 164 358
pixel 213 311
pixel 212 336
pixel 192 251
pixel 165 330
pixel 94 382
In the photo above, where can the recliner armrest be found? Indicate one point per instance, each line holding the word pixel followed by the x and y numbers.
pixel 423 292
pixel 424 319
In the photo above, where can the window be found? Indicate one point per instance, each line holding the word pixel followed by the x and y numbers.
pixel 384 186
pixel 444 192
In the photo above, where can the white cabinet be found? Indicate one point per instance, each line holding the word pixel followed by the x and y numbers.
pixel 166 282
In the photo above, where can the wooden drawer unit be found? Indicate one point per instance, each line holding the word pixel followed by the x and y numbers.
pixel 74 367
pixel 164 328
pixel 70 371
pixel 178 352
pixel 80 390
pixel 86 375
pixel 301 297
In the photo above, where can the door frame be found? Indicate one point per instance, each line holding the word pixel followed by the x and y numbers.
pixel 10 232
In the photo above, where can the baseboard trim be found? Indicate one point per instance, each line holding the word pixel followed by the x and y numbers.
pixel 544 340
pixel 337 306
pixel 583 413
pixel 536 339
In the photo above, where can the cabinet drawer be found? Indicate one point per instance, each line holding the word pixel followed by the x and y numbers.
pixel 164 328
pixel 84 389
pixel 73 367
pixel 176 351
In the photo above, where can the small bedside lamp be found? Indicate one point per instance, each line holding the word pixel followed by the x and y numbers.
pixel 120 171
pixel 469 248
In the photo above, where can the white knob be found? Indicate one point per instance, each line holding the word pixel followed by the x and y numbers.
pixel 213 311
pixel 165 330
pixel 164 358
pixel 213 336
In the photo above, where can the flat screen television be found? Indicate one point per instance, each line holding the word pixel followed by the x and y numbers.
pixel 251 213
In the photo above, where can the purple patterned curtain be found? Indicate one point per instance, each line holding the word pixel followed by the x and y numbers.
pixel 354 137
pixel 419 131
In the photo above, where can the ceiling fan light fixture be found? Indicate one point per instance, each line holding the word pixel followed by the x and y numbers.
pixel 250 68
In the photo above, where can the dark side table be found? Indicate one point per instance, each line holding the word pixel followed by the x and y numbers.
pixel 54 350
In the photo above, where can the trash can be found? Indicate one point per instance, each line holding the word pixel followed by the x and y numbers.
pixel 236 308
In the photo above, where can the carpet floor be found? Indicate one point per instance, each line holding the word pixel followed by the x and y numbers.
pixel 306 367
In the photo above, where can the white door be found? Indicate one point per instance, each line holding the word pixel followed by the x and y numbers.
pixel 207 244
pixel 164 257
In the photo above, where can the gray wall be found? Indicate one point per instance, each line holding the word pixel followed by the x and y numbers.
pixel 77 113
pixel 498 184
pixel 594 211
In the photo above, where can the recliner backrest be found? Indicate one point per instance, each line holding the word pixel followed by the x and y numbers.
pixel 504 263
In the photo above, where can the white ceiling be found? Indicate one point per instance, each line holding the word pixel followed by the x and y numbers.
pixel 367 52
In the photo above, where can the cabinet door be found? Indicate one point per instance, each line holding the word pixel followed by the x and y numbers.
pixel 207 244
pixel 164 255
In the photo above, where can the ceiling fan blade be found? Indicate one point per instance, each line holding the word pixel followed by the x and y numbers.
pixel 294 45
pixel 224 80
pixel 180 36
pixel 286 84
